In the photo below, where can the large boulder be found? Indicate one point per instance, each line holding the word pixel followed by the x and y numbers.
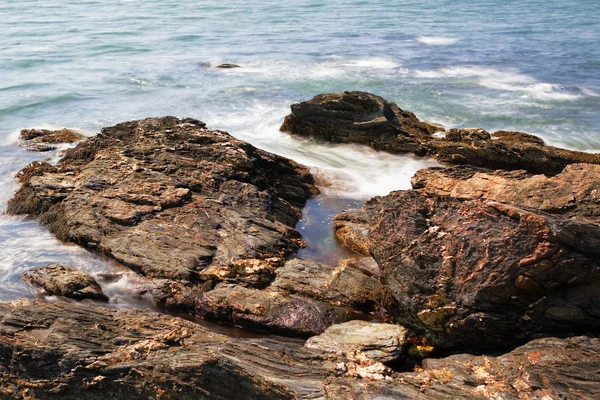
pixel 73 351
pixel 359 117
pixel 169 198
pixel 480 274
pixel 363 118
pixel 58 280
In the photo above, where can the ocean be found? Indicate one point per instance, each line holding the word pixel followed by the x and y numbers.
pixel 524 65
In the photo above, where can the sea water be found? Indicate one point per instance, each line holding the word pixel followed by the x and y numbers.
pixel 517 65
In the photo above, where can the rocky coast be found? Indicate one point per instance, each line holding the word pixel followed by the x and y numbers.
pixel 481 281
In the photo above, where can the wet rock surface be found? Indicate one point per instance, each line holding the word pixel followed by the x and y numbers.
pixel 58 280
pixel 363 118
pixel 207 219
pixel 43 140
pixel 358 117
pixel 470 259
pixel 378 341
pixel 74 351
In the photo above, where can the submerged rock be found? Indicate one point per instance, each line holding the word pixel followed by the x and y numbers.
pixel 227 66
pixel 363 118
pixel 378 341
pixel 74 351
pixel 58 280
pixel 42 139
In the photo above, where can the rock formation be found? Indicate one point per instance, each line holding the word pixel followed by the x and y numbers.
pixel 207 218
pixel 484 274
pixel 58 280
pixel 43 139
pixel 359 117
pixel 380 342
pixel 75 351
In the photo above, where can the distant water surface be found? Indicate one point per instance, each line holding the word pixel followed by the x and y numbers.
pixel 516 65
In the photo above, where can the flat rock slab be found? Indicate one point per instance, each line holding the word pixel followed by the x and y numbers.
pixel 378 341
pixel 78 351
pixel 574 193
pixel 364 118
pixel 58 280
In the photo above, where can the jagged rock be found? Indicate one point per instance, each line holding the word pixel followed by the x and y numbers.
pixel 484 274
pixel 73 351
pixel 304 299
pixel 41 139
pixel 58 280
pixel 574 193
pixel 378 341
pixel 359 117
pixel 169 198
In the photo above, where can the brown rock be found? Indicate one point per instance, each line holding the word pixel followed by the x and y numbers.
pixel 304 299
pixel 380 342
pixel 74 351
pixel 483 274
pixel 574 193
pixel 57 280
pixel 359 117
pixel 42 139
pixel 169 198
pixel 209 219
pixel 351 229
pixel 366 265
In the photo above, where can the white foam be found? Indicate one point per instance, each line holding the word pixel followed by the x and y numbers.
pixel 329 68
pixel 354 171
pixel 504 80
pixel 376 62
pixel 436 40
pixel 140 81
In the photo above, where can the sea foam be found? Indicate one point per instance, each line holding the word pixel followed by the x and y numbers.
pixel 436 40
pixel 504 80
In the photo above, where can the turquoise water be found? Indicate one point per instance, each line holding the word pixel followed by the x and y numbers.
pixel 522 65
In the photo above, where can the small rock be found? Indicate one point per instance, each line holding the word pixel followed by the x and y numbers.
pixel 380 342
pixel 40 140
pixel 228 65
pixel 58 280
pixel 367 265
